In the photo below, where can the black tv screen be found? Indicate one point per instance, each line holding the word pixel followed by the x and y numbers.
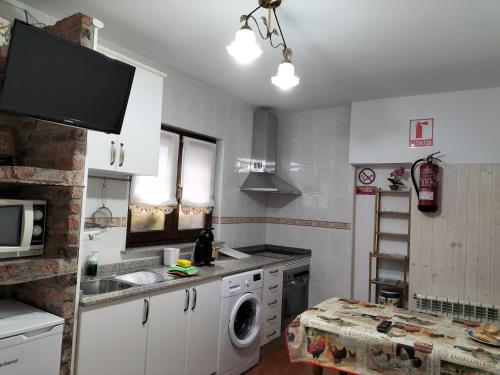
pixel 52 79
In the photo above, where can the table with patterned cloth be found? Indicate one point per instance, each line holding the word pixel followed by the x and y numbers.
pixel 342 335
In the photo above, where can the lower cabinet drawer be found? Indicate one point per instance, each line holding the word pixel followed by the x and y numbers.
pixel 272 318
pixel 270 332
pixel 273 303
pixel 273 273
pixel 271 289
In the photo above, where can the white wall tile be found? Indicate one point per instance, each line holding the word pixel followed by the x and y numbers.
pixel 313 154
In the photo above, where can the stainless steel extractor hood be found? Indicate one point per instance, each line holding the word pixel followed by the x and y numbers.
pixel 262 177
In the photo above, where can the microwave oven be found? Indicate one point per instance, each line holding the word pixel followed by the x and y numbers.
pixel 22 224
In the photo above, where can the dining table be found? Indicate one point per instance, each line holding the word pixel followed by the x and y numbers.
pixel 341 334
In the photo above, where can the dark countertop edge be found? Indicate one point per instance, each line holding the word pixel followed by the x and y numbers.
pixel 292 251
pixel 153 288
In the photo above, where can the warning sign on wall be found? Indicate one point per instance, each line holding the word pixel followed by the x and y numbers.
pixel 366 190
pixel 422 132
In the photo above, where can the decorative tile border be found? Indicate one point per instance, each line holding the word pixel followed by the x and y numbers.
pixel 122 222
pixel 282 220
pixel 115 221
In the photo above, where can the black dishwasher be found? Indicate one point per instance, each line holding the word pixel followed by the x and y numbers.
pixel 295 294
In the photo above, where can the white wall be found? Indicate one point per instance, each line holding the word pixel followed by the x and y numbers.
pixel 313 155
pixel 466 127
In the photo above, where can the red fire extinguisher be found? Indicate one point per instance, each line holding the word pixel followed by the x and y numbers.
pixel 427 188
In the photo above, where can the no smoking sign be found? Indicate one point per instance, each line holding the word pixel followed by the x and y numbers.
pixel 366 176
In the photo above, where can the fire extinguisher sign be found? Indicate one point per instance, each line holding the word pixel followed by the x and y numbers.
pixel 422 133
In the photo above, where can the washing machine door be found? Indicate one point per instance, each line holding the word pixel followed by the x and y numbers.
pixel 244 320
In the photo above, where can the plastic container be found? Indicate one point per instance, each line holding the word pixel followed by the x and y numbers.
pixel 92 262
pixel 170 255
pixel 389 297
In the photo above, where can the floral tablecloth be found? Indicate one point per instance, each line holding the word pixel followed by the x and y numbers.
pixel 342 335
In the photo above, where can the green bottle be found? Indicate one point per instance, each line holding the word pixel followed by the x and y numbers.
pixel 92 264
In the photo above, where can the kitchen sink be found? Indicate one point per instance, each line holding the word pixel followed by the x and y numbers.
pixel 145 277
pixel 99 286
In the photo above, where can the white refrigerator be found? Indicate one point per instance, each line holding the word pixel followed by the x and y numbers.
pixel 30 340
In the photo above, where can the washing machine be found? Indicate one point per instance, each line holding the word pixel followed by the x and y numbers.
pixel 240 320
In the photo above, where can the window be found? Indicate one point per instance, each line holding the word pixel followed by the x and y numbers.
pixel 175 205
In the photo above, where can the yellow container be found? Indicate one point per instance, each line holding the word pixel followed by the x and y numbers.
pixel 184 263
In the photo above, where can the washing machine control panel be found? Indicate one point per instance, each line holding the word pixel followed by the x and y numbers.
pixel 241 283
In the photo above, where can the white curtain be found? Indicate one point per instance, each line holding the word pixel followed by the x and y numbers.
pixel 153 193
pixel 198 175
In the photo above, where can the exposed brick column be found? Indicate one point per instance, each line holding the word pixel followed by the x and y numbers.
pixel 51 149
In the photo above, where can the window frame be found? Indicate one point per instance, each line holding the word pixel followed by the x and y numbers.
pixel 170 233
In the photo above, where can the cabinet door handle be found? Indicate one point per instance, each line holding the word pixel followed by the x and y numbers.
pixel 122 154
pixel 271 334
pixel 273 287
pixel 195 296
pixel 272 303
pixel 271 319
pixel 186 306
pixel 146 311
pixel 274 271
pixel 113 153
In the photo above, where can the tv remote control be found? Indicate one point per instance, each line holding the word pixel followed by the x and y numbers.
pixel 385 326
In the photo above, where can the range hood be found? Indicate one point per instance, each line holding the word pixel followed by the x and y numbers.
pixel 262 177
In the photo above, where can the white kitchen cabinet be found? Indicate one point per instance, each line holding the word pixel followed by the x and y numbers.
pixel 168 320
pixel 112 338
pixel 203 329
pixel 136 149
pixel 100 150
pixel 183 331
pixel 139 141
pixel 171 332
pixel 272 294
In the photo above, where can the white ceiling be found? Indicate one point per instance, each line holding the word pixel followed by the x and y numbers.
pixel 344 50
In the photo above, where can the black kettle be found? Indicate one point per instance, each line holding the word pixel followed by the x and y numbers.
pixel 203 249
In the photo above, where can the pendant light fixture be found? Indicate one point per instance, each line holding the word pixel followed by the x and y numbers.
pixel 245 49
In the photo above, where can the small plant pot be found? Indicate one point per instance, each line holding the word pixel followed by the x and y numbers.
pixel 394 187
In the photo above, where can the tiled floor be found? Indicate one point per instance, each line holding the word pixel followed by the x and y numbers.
pixel 276 363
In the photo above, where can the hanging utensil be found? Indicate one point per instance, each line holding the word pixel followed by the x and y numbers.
pixel 103 217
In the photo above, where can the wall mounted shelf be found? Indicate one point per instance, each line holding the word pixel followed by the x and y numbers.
pixel 40 176
pixel 393 236
pixel 394 213
pixel 393 192
pixel 392 283
pixel 395 257
pixel 23 270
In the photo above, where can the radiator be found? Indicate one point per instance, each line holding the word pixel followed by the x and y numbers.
pixel 457 309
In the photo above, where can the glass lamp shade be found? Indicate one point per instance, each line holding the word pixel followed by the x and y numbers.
pixel 285 79
pixel 244 47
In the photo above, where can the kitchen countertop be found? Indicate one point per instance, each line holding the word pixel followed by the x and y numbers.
pixel 221 269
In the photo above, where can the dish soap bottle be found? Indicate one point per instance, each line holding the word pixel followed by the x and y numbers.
pixel 92 264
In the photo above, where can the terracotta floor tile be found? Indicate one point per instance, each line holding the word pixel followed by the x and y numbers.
pixel 276 363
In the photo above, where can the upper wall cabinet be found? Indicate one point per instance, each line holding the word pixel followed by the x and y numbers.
pixel 135 151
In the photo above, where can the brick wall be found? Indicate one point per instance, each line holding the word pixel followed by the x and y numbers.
pixel 49 146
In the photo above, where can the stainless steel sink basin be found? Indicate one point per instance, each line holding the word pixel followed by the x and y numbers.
pixel 99 286
pixel 145 277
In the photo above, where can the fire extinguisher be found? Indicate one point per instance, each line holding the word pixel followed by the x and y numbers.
pixel 427 193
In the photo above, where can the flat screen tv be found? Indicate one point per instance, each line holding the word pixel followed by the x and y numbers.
pixel 52 79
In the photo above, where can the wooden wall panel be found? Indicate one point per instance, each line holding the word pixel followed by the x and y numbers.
pixel 495 254
pixel 455 252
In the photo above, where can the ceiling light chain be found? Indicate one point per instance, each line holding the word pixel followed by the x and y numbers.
pixel 245 49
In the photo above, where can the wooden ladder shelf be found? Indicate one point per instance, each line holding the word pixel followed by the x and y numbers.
pixel 377 256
